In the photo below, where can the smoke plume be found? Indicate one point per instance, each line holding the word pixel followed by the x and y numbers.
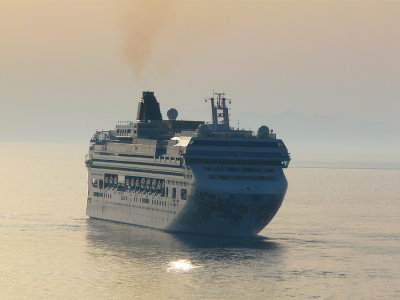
pixel 157 33
pixel 142 23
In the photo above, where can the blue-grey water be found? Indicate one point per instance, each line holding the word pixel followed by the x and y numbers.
pixel 337 236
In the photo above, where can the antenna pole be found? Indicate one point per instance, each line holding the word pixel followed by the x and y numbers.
pixel 214 113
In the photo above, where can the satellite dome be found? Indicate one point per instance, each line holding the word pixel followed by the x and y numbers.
pixel 263 132
pixel 172 114
pixel 203 130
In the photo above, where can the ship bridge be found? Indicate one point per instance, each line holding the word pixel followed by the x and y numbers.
pixel 237 152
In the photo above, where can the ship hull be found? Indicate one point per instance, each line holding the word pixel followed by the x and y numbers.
pixel 207 211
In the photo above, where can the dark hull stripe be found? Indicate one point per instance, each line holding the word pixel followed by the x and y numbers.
pixel 122 154
pixel 137 170
pixel 136 163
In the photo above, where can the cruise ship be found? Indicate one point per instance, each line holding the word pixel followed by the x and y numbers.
pixel 186 176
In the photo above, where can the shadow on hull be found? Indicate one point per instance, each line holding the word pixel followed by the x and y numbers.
pixel 227 214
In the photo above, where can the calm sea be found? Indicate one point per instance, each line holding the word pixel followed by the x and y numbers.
pixel 337 236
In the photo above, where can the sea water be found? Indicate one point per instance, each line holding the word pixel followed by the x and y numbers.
pixel 336 236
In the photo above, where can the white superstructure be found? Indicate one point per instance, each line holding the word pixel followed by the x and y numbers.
pixel 186 176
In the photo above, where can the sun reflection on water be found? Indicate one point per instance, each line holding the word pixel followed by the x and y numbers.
pixel 181 265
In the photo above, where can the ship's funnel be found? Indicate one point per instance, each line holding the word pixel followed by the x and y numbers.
pixel 149 108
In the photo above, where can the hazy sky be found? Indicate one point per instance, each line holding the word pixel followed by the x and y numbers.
pixel 70 67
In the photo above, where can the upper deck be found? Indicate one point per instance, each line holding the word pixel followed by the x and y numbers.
pixel 194 140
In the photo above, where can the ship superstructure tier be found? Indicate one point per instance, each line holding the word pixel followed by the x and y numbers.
pixel 186 176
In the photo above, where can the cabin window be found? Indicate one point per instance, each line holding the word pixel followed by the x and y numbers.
pixel 183 194
pixel 174 193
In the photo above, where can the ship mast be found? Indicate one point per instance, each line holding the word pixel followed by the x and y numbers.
pixel 220 111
